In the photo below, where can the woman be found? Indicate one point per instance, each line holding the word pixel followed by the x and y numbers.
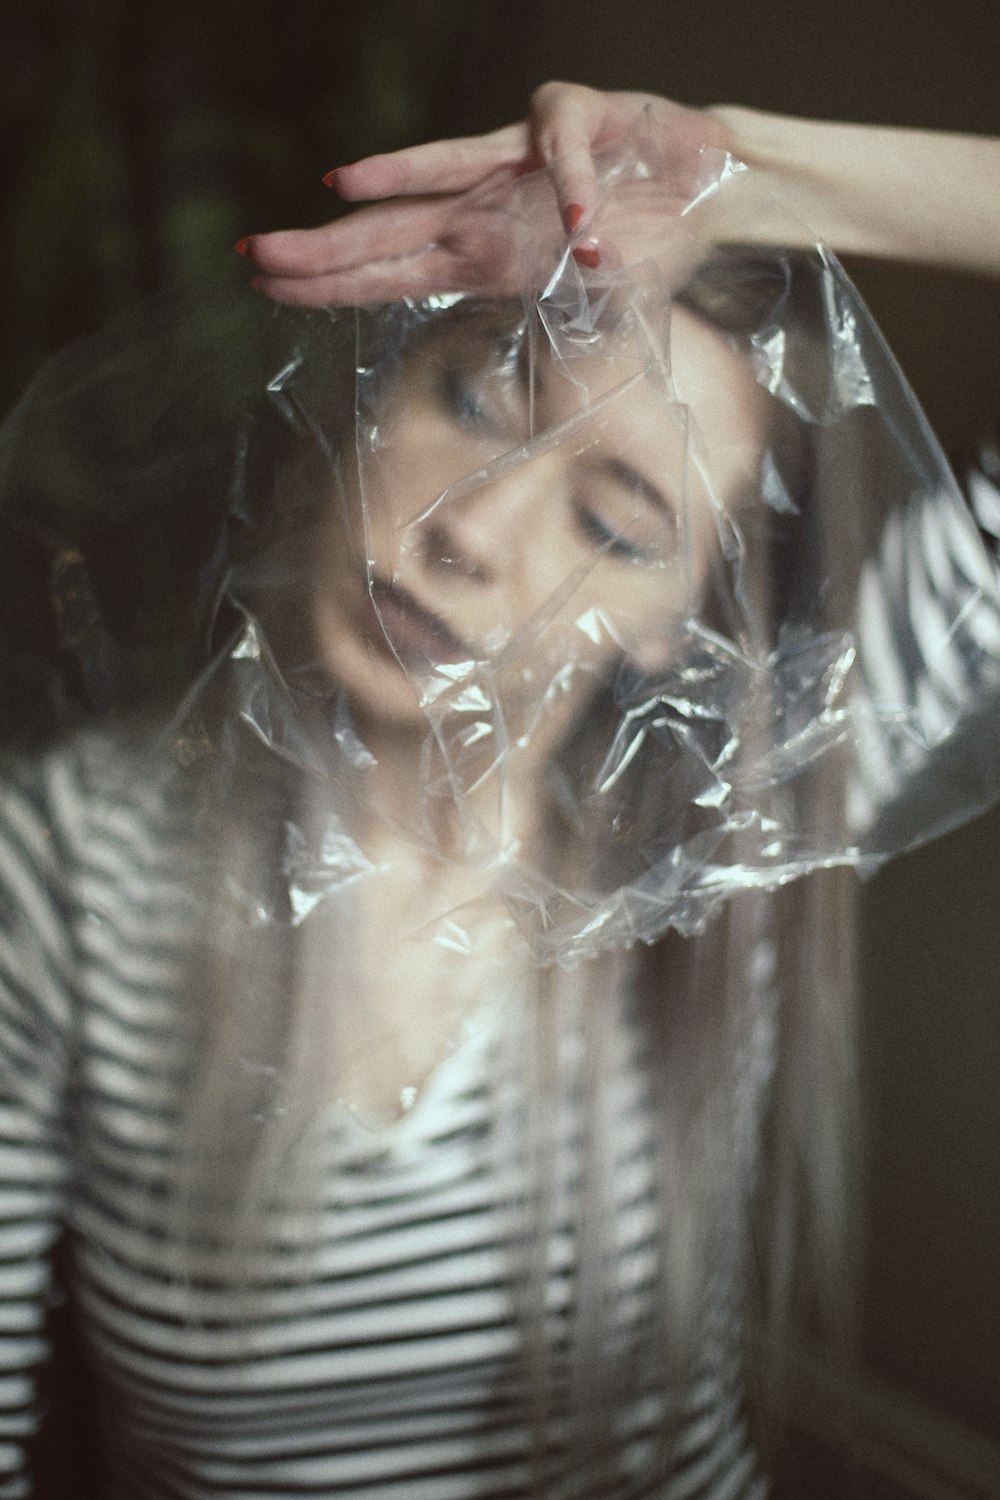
pixel 404 1144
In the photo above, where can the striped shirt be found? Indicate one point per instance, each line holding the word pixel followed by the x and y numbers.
pixel 380 1356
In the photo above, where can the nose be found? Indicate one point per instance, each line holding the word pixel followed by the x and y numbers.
pixel 481 534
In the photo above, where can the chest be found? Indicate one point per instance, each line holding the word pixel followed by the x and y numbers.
pixel 397 978
pixel 396 1308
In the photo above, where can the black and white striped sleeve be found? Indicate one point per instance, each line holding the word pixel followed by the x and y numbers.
pixel 928 630
pixel 35 1031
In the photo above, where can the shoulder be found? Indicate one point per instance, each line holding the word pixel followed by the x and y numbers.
pixel 983 488
pixel 928 631
pixel 99 906
pixel 95 805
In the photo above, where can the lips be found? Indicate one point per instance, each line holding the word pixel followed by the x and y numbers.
pixel 416 634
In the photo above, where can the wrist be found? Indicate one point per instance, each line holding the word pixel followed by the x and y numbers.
pixel 803 189
pixel 929 198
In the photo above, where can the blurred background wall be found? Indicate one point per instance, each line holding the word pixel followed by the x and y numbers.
pixel 137 142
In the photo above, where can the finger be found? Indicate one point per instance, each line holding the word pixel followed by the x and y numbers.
pixel 371 234
pixel 438 167
pixel 387 281
pixel 479 260
pixel 565 122
pixel 340 289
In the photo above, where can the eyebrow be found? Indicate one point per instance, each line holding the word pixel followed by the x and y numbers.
pixel 620 472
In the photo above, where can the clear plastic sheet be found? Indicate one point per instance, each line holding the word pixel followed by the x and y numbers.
pixel 606 599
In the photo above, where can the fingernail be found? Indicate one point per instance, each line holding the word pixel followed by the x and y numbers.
pixel 242 246
pixel 587 255
pixel 572 217
pixel 330 178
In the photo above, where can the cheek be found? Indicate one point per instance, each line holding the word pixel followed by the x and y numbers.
pixel 648 602
pixel 586 639
pixel 647 616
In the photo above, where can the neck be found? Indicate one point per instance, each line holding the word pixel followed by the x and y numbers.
pixel 444 802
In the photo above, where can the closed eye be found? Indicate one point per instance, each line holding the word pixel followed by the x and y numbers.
pixel 605 537
pixel 461 401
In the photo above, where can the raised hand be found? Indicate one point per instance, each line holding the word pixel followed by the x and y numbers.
pixel 445 216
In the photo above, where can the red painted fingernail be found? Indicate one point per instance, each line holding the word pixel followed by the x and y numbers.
pixel 587 255
pixel 572 217
pixel 242 246
pixel 330 178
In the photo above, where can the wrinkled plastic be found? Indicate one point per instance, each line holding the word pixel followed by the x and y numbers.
pixel 606 600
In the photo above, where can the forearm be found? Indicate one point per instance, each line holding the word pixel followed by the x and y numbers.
pixel 906 195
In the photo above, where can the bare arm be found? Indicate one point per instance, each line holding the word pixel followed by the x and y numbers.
pixel 926 197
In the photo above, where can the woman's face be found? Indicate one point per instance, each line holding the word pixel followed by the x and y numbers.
pixel 523 522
